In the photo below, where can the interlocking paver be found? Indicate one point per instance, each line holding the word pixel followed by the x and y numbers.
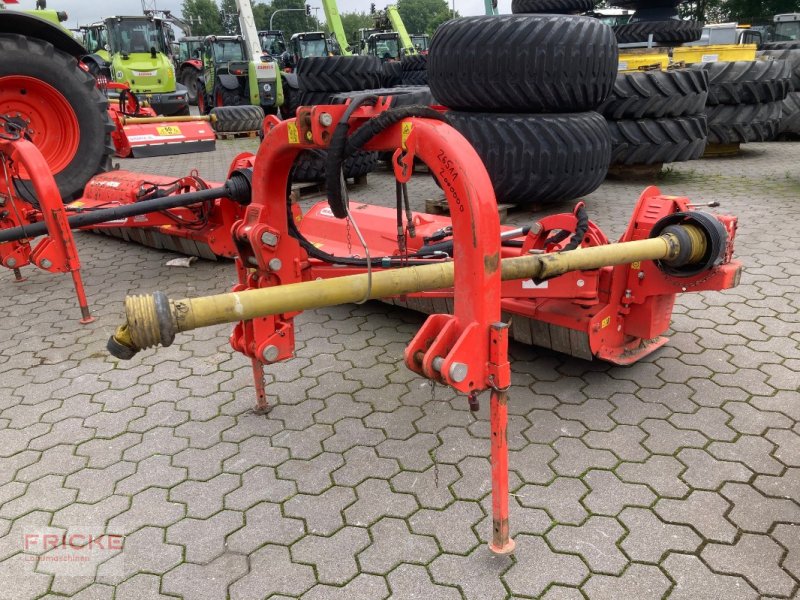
pixel 693 450
pixel 693 580
pixel 393 543
pixel 334 557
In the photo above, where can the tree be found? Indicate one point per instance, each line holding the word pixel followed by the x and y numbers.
pixel 424 16
pixel 294 21
pixel 261 14
pixel 230 17
pixel 353 21
pixel 203 15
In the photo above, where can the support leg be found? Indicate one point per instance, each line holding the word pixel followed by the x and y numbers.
pixel 18 278
pixel 262 407
pixel 86 316
pixel 501 542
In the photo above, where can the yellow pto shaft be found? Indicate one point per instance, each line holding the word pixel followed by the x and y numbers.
pixel 154 320
pixel 182 119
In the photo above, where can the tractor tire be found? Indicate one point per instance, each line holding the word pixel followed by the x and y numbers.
pixel 644 4
pixel 790 56
pixel 224 97
pixel 291 100
pixel 338 73
pixel 66 112
pixel 790 116
pixel 569 63
pixel 788 45
pixel 656 94
pixel 539 159
pixel 414 78
pixel 730 124
pixel 653 141
pixel 670 31
pixel 188 78
pixel 309 166
pixel 418 95
pixel 553 7
pixel 746 82
pixel 391 73
pixel 234 119
pixel 315 98
pixel 414 62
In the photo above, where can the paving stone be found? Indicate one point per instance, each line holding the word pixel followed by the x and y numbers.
pixel 595 540
pixel 537 567
pixel 312 476
pixel 638 581
pixel 349 433
pixel 756 558
pixel 204 539
pixel 207 463
pixel 575 458
pixel 149 507
pixel 754 451
pixel 704 472
pixel 457 444
pixel 259 484
pixel 649 539
pixel 560 592
pixel 362 587
pixel 477 575
pixel 139 587
pixel 789 537
pixel 693 581
pixel 750 420
pixel 754 512
pixel 334 557
pixel 211 581
pixel 785 486
pixel 561 499
pixel 414 453
pixel 452 527
pixel 46 494
pixel 154 469
pixel 146 551
pixel 788 446
pixel 546 427
pixel 414 582
pixel 398 424
pixel 711 422
pixel 705 511
pixel 392 544
pixel 203 499
pixel 375 500
pixel 264 524
pixel 665 438
pixel 322 514
pixel 608 495
pixel 660 473
pixel 624 441
pixel 19 575
pixel 255 451
pixel 431 487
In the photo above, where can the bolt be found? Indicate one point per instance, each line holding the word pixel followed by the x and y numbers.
pixel 627 293
pixel 536 228
pixel 45 264
pixel 269 238
pixel 11 262
pixel 580 283
pixel 275 264
pixel 458 372
pixel 2 200
pixel 640 275
pixel 309 136
pixel 270 353
pixel 325 119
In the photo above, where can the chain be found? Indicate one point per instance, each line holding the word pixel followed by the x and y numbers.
pixel 349 238
pixel 13 130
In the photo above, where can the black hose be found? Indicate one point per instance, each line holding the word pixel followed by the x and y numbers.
pixel 577 238
pixel 343 146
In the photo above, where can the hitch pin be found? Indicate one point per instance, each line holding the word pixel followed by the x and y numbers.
pixel 712 204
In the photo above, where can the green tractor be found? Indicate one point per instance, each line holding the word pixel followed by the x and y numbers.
pixel 137 51
pixel 230 79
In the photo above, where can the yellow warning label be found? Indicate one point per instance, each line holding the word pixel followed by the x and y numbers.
pixel 636 265
pixel 605 322
pixel 168 130
pixel 406 128
pixel 294 136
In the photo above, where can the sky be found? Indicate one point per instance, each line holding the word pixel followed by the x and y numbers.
pixel 86 11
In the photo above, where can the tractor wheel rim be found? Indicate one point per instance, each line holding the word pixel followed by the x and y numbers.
pixel 52 124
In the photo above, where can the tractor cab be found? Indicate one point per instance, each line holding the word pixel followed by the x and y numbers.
pixel 385 45
pixel 306 45
pixel 95 39
pixel 361 37
pixel 787 27
pixel 421 42
pixel 190 48
pixel 272 42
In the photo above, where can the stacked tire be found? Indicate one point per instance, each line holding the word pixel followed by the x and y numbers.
pixel 745 99
pixel 414 70
pixel 789 127
pixel 522 89
pixel 656 18
pixel 657 117
pixel 320 79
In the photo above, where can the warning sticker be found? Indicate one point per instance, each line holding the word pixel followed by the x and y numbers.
pixel 294 135
pixel 168 130
pixel 406 126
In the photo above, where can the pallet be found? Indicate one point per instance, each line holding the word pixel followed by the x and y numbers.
pixel 303 190
pixel 439 206
pixel 722 150
pixel 230 135
pixel 634 172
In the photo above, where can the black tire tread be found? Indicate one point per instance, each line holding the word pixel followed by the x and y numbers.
pixel 232 119
pixel 414 62
pixel 309 166
pixel 522 63
pixel 790 114
pixel 787 45
pixel 553 7
pixel 338 73
pixel 414 78
pixel 790 56
pixel 653 141
pixel 539 159
pixel 95 146
pixel 746 81
pixel 391 73
pixel 656 94
pixel 729 124
pixel 402 95
pixel 670 31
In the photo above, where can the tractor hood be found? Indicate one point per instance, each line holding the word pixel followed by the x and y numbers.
pixel 143 73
